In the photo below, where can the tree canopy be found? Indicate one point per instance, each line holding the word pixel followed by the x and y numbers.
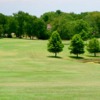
pixel 93 46
pixel 87 24
pixel 77 45
pixel 55 44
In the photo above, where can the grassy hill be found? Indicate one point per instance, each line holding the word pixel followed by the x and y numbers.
pixel 29 72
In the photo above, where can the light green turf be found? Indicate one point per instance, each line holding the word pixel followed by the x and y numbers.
pixel 29 72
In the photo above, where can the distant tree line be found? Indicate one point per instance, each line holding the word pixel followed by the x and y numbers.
pixel 23 24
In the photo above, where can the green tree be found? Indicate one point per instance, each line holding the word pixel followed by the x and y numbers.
pixel 3 21
pixel 81 25
pixel 84 35
pixel 77 45
pixel 30 26
pixel 58 12
pixel 48 17
pixel 62 25
pixel 40 28
pixel 21 18
pixel 55 44
pixel 93 18
pixel 93 46
pixel 12 26
pixel 1 30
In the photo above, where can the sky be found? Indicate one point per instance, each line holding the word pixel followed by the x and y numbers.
pixel 39 7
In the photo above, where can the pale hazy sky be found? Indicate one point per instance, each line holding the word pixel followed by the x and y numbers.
pixel 38 7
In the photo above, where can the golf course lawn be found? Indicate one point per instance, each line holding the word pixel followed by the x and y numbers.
pixel 29 72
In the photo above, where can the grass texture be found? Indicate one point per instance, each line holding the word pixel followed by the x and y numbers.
pixel 29 72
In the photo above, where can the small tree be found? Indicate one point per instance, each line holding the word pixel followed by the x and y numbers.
pixel 55 44
pixel 93 46
pixel 77 45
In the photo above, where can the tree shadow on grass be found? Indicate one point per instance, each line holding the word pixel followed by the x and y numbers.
pixel 58 57
pixel 74 57
pixel 98 56
pixel 88 60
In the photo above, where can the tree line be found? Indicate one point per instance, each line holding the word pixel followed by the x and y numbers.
pixel 77 45
pixel 22 24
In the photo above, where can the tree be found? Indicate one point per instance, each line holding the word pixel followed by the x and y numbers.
pixel 12 26
pixel 93 18
pixel 77 45
pixel 62 25
pixel 21 18
pixel 48 17
pixel 82 27
pixel 40 28
pixel 1 30
pixel 3 21
pixel 30 26
pixel 58 12
pixel 55 44
pixel 93 46
pixel 84 35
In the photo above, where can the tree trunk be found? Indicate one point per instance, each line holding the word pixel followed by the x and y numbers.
pixel 77 55
pixel 94 54
pixel 55 54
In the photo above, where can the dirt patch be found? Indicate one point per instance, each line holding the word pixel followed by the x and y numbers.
pixel 87 60
pixel 91 61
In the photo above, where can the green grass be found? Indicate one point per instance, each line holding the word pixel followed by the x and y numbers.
pixel 29 72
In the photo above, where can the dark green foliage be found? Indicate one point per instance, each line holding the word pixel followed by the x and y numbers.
pixel 93 46
pixel 55 44
pixel 41 29
pixel 58 12
pixel 62 25
pixel 21 18
pixel 48 17
pixel 93 18
pixel 87 24
pixel 84 35
pixel 30 26
pixel 83 28
pixel 45 18
pixel 1 30
pixel 77 45
pixel 3 22
pixel 12 26
pixel 97 20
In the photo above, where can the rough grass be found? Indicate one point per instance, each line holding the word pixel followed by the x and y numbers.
pixel 29 72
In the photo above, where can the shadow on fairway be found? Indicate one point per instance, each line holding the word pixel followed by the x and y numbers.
pixel 74 57
pixel 98 56
pixel 55 57
pixel 89 60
